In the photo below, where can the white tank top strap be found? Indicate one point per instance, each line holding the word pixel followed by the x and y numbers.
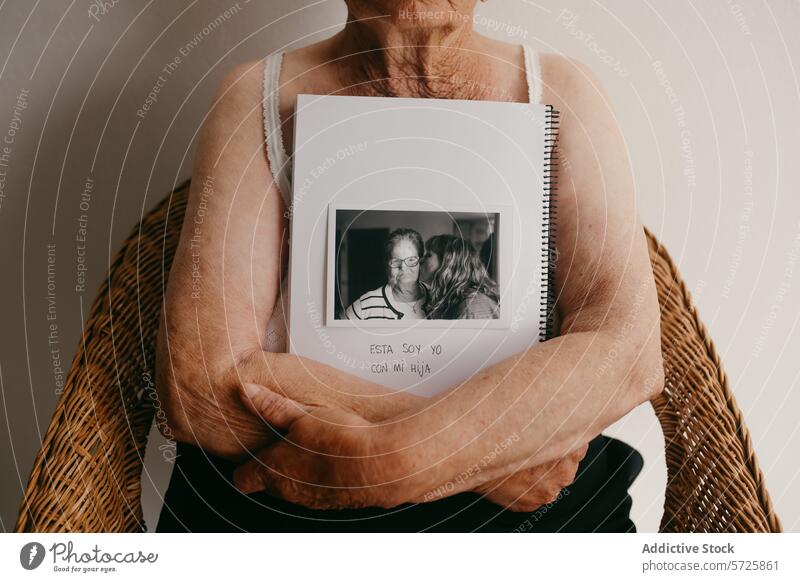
pixel 533 73
pixel 279 161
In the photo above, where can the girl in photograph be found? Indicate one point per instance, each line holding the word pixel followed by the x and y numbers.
pixel 459 284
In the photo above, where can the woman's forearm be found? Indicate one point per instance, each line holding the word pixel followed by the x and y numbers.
pixel 524 411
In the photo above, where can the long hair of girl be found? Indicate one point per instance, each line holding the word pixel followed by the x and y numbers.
pixel 461 274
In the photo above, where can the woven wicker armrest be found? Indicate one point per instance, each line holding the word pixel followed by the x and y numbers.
pixel 714 483
pixel 87 474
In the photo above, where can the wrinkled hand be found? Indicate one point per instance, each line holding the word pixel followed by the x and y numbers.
pixel 202 407
pixel 531 488
pixel 327 459
pixel 205 408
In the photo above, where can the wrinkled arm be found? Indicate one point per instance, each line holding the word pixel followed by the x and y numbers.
pixel 560 394
pixel 225 277
pixel 224 285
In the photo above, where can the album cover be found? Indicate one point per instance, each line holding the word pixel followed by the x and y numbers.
pixel 421 233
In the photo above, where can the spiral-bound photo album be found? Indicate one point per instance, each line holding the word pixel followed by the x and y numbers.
pixel 421 236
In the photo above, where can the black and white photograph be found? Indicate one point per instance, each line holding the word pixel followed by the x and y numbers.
pixel 410 265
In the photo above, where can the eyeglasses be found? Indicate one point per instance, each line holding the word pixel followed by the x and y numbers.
pixel 408 262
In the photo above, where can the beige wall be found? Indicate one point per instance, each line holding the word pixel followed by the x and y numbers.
pixel 712 132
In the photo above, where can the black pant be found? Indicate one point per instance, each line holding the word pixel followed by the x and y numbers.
pixel 201 498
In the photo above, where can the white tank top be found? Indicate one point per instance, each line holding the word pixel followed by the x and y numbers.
pixel 280 163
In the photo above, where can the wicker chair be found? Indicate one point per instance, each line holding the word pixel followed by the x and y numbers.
pixel 87 474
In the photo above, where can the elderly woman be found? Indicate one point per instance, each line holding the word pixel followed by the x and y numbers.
pixel 460 286
pixel 403 296
pixel 299 439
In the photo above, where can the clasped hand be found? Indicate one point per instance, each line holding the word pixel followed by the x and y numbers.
pixel 325 458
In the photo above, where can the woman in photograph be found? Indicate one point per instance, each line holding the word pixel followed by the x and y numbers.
pixel 459 285
pixel 366 463
pixel 403 296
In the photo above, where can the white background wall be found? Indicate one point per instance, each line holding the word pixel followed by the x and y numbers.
pixel 730 68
